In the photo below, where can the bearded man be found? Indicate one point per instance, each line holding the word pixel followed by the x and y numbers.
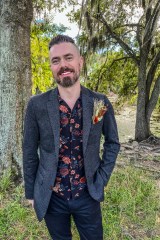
pixel 63 172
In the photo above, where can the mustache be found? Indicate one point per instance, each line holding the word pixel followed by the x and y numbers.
pixel 65 69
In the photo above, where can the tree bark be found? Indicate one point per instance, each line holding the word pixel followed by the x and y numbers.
pixel 142 130
pixel 15 79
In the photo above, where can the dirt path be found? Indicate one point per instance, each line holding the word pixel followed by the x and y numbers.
pixel 126 120
pixel 145 155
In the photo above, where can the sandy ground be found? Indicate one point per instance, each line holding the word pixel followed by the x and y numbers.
pixel 126 120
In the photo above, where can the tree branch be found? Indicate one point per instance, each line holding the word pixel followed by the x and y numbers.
pixel 103 73
pixel 131 25
pixel 151 21
pixel 139 36
pixel 99 75
pixel 118 59
pixel 81 15
pixel 127 49
pixel 155 15
pixel 129 31
pixel 154 98
pixel 151 73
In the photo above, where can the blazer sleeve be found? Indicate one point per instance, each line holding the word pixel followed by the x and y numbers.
pixel 30 149
pixel 111 144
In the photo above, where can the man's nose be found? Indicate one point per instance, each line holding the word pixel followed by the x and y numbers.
pixel 63 63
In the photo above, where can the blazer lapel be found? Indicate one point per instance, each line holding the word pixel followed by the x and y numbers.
pixel 53 111
pixel 87 104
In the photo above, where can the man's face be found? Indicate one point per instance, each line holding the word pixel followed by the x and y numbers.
pixel 66 63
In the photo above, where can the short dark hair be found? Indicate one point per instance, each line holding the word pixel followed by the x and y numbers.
pixel 60 39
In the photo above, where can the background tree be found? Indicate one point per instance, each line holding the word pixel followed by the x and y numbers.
pixel 15 78
pixel 133 26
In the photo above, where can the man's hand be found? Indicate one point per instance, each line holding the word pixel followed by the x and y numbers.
pixel 31 202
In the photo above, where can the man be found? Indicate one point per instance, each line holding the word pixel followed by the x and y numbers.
pixel 66 176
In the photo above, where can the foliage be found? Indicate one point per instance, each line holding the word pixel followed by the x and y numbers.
pixel 44 6
pixel 106 74
pixel 42 32
pixel 130 210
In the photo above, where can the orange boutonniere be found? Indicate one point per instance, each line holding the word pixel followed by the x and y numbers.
pixel 98 111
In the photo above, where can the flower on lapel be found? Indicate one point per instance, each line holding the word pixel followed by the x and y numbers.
pixel 98 111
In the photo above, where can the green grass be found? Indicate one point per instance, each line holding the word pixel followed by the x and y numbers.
pixel 130 210
pixel 131 206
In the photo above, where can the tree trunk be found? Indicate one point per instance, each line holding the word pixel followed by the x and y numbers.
pixel 142 128
pixel 15 79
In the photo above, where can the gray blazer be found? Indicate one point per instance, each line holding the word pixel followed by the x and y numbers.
pixel 41 147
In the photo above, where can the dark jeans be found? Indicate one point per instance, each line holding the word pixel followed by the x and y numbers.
pixel 86 213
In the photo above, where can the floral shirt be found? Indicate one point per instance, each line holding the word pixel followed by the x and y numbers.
pixel 70 179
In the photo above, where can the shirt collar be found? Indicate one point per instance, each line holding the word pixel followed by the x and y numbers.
pixel 61 99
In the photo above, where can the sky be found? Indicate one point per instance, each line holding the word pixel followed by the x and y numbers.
pixel 61 18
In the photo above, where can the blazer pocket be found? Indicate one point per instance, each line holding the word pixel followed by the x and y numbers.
pixel 97 125
pixel 92 140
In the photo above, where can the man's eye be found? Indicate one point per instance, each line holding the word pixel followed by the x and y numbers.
pixel 54 62
pixel 69 58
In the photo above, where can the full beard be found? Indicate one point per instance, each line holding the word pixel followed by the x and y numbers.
pixel 67 81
